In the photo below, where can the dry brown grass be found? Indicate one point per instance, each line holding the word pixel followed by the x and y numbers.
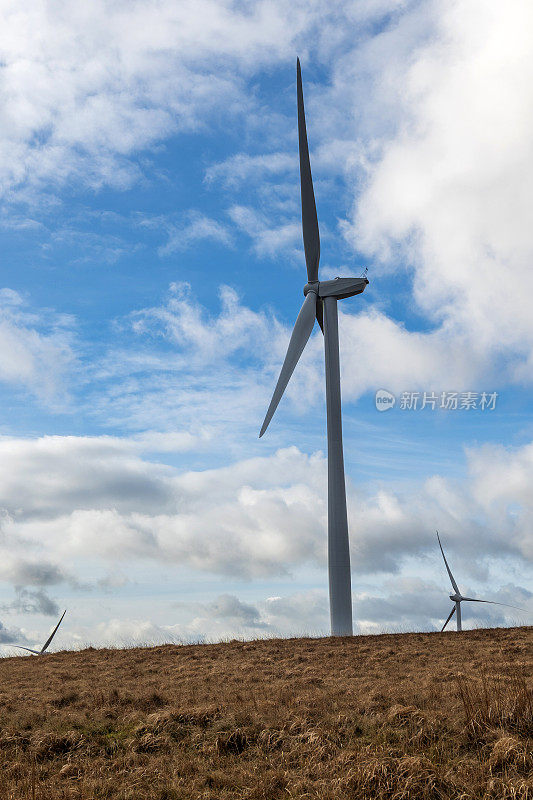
pixel 393 716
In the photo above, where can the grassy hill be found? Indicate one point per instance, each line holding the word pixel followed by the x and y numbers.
pixel 392 716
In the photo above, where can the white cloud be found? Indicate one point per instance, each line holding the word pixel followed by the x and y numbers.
pixel 90 246
pixel 219 369
pixel 447 165
pixel 268 240
pixel 194 228
pixel 446 156
pixel 31 572
pixel 12 635
pixel 431 117
pixel 200 371
pixel 404 604
pixel 226 617
pixel 241 167
pixel 203 338
pixel 82 500
pixel 77 498
pixel 85 87
pixel 170 441
pixel 32 601
pixel 35 348
pixel 127 633
pixel 452 187
pixel 102 471
pixel 377 351
pixel 408 603
pixel 302 613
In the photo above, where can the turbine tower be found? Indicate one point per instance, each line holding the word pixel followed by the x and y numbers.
pixel 457 597
pixel 321 303
pixel 45 645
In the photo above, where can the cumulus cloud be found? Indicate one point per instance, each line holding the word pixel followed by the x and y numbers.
pixel 403 604
pixel 35 572
pixel 428 121
pixel 407 603
pixel 96 500
pixel 33 601
pixel 241 167
pixel 448 188
pixel 268 240
pixel 378 351
pixel 128 633
pixel 444 161
pixel 202 371
pixel 302 613
pixel 185 233
pixel 227 616
pixel 91 471
pixel 223 617
pixel 85 88
pixel 227 606
pixel 201 337
pixel 113 513
pixel 36 351
pixel 440 175
pixel 12 635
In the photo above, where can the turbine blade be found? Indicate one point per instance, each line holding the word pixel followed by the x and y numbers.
pixel 19 647
pixel 45 645
pixel 320 313
pixel 309 216
pixel 452 612
pixel 493 603
pixel 300 335
pixel 447 567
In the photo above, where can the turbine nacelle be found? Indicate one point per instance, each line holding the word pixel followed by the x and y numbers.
pixel 457 598
pixel 338 287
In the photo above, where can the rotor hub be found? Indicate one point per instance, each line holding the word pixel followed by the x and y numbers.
pixel 313 286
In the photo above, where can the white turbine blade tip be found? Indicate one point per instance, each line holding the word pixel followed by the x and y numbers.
pixel 28 649
pixel 45 645
pixel 452 579
pixel 494 603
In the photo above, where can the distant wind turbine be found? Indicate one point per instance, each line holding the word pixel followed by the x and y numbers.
pixel 45 645
pixel 458 598
pixel 321 303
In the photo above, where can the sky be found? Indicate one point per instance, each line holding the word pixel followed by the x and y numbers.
pixel 152 270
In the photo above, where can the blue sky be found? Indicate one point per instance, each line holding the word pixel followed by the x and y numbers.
pixel 153 268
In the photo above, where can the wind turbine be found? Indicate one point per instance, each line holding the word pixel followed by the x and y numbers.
pixel 321 303
pixel 458 598
pixel 45 645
